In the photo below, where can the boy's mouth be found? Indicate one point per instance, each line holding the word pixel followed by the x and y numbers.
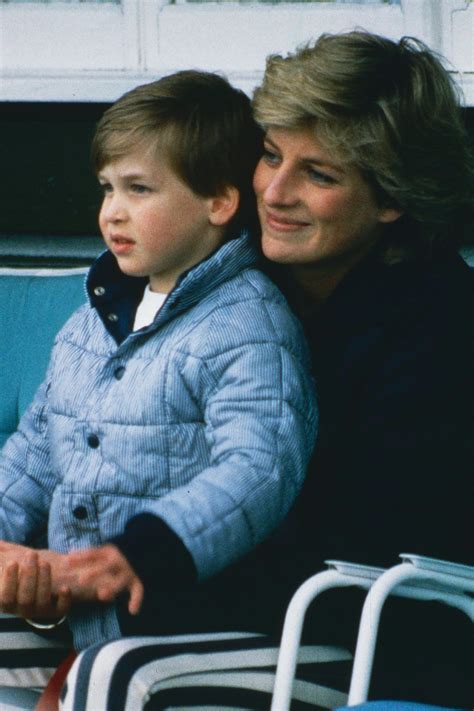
pixel 121 245
pixel 120 238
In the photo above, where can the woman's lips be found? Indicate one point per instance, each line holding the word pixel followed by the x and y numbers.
pixel 283 224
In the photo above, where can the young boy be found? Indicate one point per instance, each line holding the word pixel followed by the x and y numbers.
pixel 173 429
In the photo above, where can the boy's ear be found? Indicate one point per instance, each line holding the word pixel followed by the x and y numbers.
pixel 224 206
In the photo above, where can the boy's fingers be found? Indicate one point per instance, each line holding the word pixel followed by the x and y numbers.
pixel 64 601
pixel 44 584
pixel 9 587
pixel 27 581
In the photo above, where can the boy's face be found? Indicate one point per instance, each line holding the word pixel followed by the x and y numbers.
pixel 154 224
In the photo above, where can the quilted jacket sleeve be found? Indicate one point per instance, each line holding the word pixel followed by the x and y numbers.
pixel 26 478
pixel 259 409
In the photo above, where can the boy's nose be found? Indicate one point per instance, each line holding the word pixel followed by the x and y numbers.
pixel 113 209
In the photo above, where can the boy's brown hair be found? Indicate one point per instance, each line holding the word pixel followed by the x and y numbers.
pixel 202 124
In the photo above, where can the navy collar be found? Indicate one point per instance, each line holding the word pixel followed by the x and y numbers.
pixel 116 295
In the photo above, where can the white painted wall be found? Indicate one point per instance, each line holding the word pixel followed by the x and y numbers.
pixel 65 51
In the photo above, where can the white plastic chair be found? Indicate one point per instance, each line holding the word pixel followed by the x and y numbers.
pixel 416 577
pixel 338 575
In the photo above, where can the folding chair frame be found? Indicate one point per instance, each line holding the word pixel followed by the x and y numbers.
pixel 416 577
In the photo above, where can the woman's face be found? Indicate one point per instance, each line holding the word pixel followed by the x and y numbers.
pixel 313 210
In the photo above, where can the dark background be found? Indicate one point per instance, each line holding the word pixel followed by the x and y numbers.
pixel 50 189
pixel 50 186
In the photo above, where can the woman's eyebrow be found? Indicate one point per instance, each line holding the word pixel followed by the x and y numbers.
pixel 320 163
pixel 267 139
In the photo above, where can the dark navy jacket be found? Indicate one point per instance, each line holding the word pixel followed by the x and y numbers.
pixel 393 360
pixel 391 472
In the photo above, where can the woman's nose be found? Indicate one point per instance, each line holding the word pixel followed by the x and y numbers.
pixel 281 188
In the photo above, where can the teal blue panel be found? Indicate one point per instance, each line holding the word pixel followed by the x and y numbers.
pixel 395 706
pixel 32 310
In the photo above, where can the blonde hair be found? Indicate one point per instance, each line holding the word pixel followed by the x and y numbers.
pixel 390 109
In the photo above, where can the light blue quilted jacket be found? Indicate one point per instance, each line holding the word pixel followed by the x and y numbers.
pixel 206 419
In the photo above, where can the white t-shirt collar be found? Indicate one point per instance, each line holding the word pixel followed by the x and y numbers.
pixel 148 307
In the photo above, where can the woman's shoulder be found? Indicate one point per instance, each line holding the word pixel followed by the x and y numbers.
pixel 440 285
pixel 437 292
pixel 410 310
pixel 439 270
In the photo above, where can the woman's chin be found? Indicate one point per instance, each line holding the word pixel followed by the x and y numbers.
pixel 278 251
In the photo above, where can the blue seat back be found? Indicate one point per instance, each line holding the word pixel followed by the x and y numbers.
pixel 34 304
pixel 395 706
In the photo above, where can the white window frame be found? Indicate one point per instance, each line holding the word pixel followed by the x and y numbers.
pixel 94 52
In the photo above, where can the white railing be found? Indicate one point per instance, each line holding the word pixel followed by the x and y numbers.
pixel 96 50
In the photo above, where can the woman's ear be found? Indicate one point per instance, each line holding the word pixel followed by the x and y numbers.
pixel 224 206
pixel 390 214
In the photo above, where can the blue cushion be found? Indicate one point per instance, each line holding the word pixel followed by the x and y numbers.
pixel 395 706
pixel 13 698
pixel 32 310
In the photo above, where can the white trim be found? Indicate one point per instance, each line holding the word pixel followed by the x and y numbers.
pixel 39 272
pixel 106 87
pixel 457 41
pixel 94 86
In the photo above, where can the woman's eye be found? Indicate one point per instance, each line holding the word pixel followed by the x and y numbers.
pixel 270 156
pixel 316 176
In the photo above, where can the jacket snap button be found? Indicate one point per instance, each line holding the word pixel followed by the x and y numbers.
pixel 99 291
pixel 113 318
pixel 119 372
pixel 93 441
pixel 80 512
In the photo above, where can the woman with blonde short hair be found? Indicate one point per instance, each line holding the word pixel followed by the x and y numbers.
pixel 364 193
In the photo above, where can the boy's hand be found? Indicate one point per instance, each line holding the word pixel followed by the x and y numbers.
pixel 17 553
pixel 26 588
pixel 102 574
pixel 94 574
pixel 10 551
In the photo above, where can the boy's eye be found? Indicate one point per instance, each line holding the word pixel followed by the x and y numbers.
pixel 105 188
